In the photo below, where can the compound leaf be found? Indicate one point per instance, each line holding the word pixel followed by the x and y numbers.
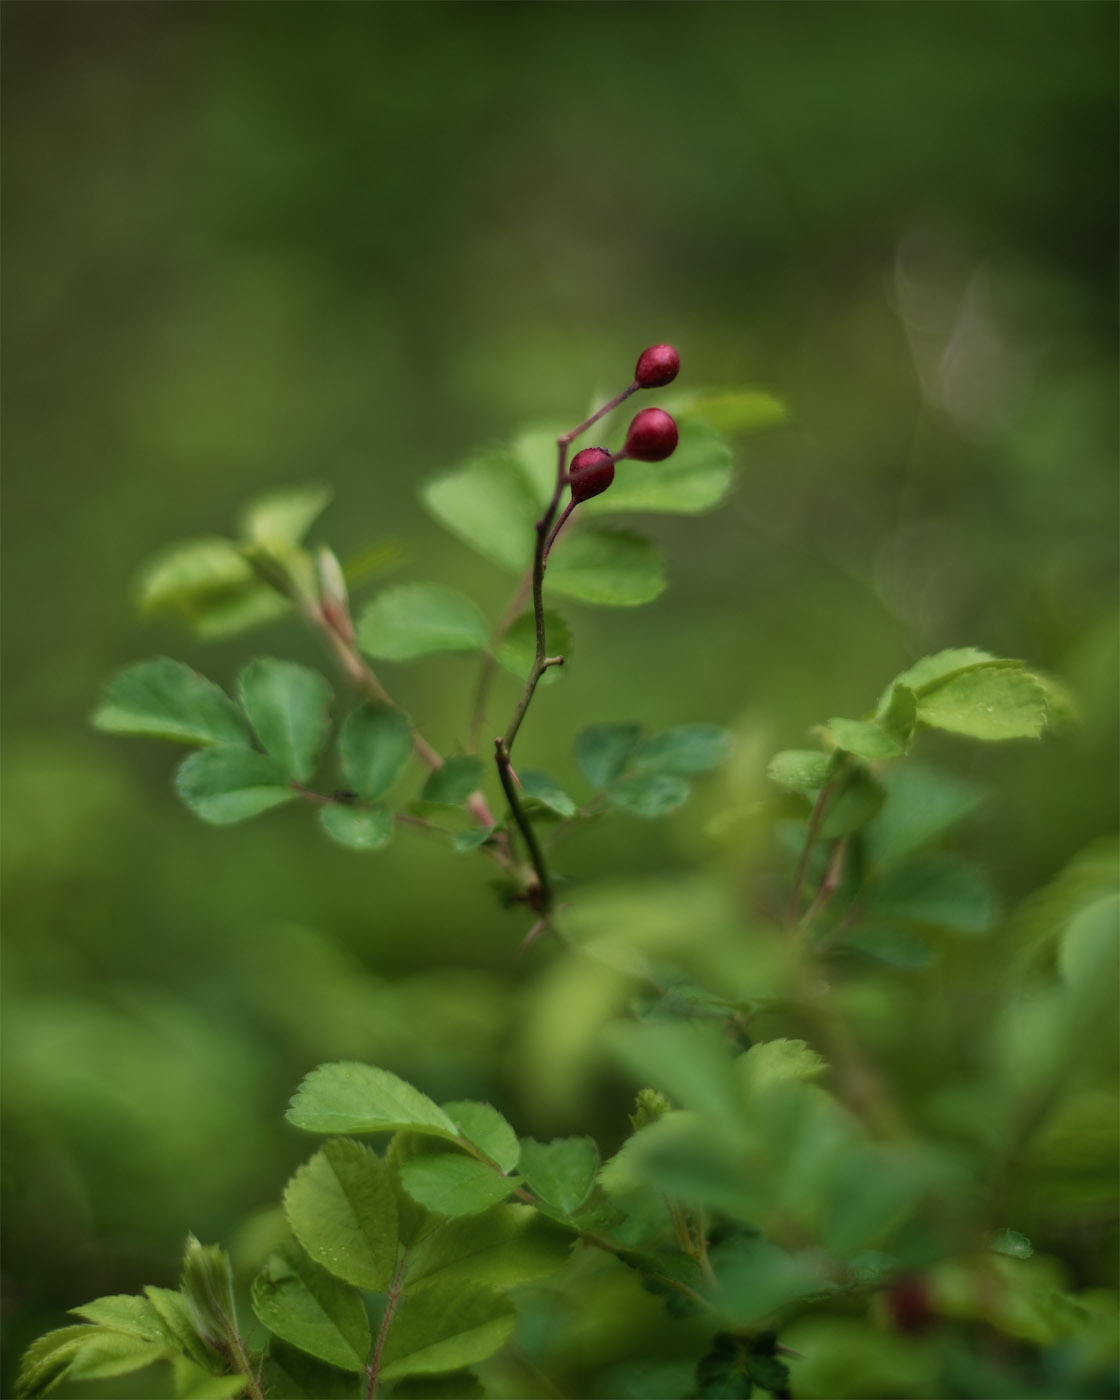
pixel 347 1097
pixel 287 707
pixel 373 747
pixel 225 785
pixel 342 1209
pixel 302 1303
pixel 419 619
pixel 168 700
pixel 612 568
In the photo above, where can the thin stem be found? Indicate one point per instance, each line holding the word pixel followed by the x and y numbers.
pixel 558 527
pixel 245 1365
pixel 396 1288
pixel 543 901
pixel 570 437
pixel 830 882
pixel 816 817
pixel 489 663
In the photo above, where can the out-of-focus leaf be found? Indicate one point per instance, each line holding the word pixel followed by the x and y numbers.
pixel 287 707
pixel 455 780
pixel 225 785
pixel 604 750
pixel 732 411
pixel 541 788
pixel 166 699
pixel 611 568
pixel 934 889
pixel 290 1374
pixel 800 770
pixel 560 1172
pixel 284 517
pixel 649 794
pixel 517 650
pixel 360 828
pixel 373 747
pixel 488 505
pixel 420 619
pixel 694 479
pixel 920 804
pixel 687 748
pixel 854 801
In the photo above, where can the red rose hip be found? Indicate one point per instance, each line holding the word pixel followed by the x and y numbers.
pixel 651 436
pixel 657 366
pixel 591 472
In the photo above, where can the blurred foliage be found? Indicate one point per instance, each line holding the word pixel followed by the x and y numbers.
pixel 252 245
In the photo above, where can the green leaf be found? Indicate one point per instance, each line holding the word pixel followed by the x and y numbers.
pixel 1010 1242
pixel 290 1374
pixel 115 1354
pixel 934 889
pixel 301 1302
pixel 418 619
pixel 443 1327
pixel 560 1172
pixel 360 828
pixel 506 1245
pixel 471 840
pixel 997 701
pixel 603 751
pixel 489 505
pixel 174 1312
pixel 854 801
pixel 373 748
pixel 800 770
pixel 250 607
pixel 890 945
pixel 207 1285
pixel 732 411
pixel 517 650
pixel 649 794
pixel 483 1126
pixel 865 739
pixel 48 1358
pixel 284 517
pixel 688 748
pixel 453 782
pixel 341 1208
pixel 125 1312
pixel 210 585
pixel 451 1184
pixel 347 1097
pixel 612 568
pixel 931 670
pixel 1088 948
pixel 694 479
pixel 287 707
pixel 455 1385
pixel 168 700
pixel 547 791
pixel 192 1382
pixel 225 785
pixel 779 1061
pixel 920 805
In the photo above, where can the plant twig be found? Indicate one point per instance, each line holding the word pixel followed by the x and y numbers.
pixel 543 895
pixel 816 817
pixel 396 1288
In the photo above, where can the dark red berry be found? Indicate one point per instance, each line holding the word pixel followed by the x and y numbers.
pixel 909 1303
pixel 657 366
pixel 651 436
pixel 591 472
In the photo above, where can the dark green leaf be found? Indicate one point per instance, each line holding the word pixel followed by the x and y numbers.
pixel 689 748
pixel 482 1125
pixel 456 1385
pixel 800 770
pixel 471 840
pixel 353 1098
pixel 290 1374
pixel 649 794
pixel 419 619
pixel 934 889
pixel 444 1327
pixel 1010 1242
pixel 451 1184
pixel 454 782
pixel 547 791
pixel 360 828
pixel 613 568
pixel 506 1245
pixel 168 700
pixel 225 785
pixel 768 1372
pixel 604 750
pixel 194 1382
pixel 207 1285
pixel 997 701
pixel 517 650
pixel 890 945
pixel 489 505
pixel 287 707
pixel 375 744
pixel 341 1208
pixel 560 1172
pixel 853 802
pixel 303 1304
pixel 920 804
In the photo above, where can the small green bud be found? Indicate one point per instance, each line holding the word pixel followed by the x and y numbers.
pixel 649 1106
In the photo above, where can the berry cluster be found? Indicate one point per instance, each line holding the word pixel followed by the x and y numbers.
pixel 651 437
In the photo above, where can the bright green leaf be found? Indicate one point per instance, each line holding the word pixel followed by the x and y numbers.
pixel 694 479
pixel 301 1302
pixel 454 1185
pixel 418 619
pixel 483 1126
pixel 168 700
pixel 864 738
pixel 348 1097
pixel 931 670
pixel 649 794
pixel 341 1208
pixel 506 1245
pixel 453 782
pixel 517 650
pixel 125 1312
pixel 203 580
pixel 48 1358
pixel 547 791
pixel 207 1285
pixel 800 770
pixel 287 707
pixel 174 1312
pixel 603 751
pixel 778 1061
pixel 490 506
pixel 373 748
pixel 612 568
pixel 115 1354
pixel 192 1382
pixel 360 828
pixel 445 1326
pixel 688 748
pixel 731 411
pixel 560 1172
pixel 225 785
pixel 996 701
pixel 284 517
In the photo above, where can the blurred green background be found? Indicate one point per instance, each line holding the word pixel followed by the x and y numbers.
pixel 256 245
